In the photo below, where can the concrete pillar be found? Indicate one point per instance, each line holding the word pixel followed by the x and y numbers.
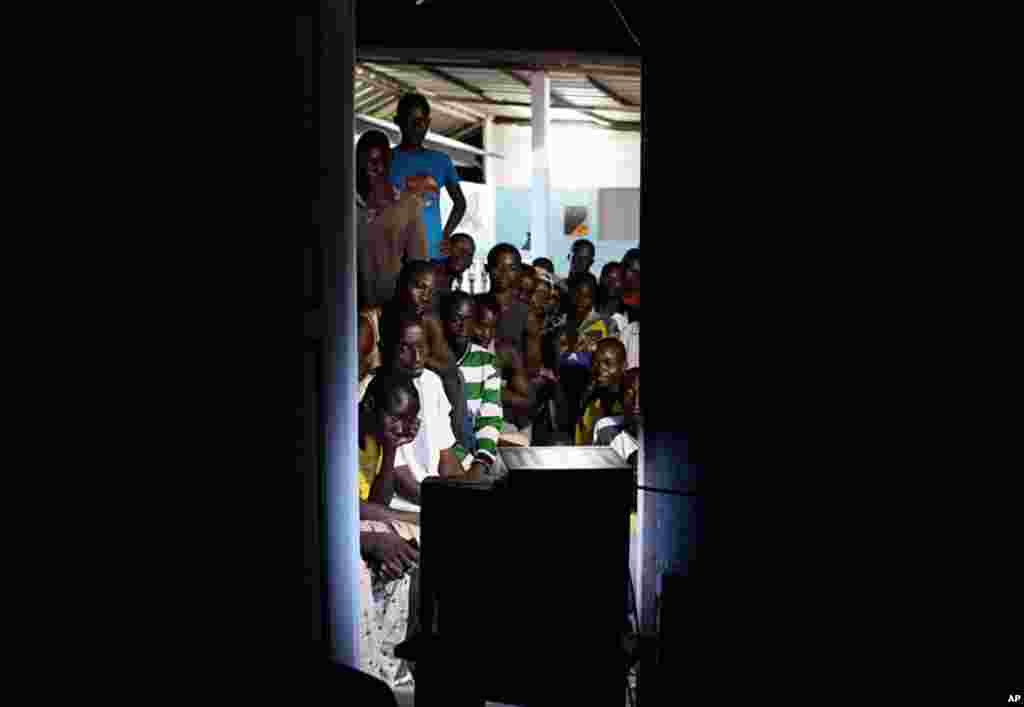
pixel 476 271
pixel 489 147
pixel 540 183
pixel 643 150
pixel 336 215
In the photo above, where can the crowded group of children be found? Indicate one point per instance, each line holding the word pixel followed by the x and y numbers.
pixel 447 377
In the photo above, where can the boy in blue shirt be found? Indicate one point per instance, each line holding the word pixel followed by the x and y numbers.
pixel 417 169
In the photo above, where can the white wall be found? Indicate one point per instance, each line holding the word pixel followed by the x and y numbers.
pixel 580 157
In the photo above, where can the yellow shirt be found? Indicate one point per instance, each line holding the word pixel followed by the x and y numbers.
pixel 595 331
pixel 593 413
pixel 598 329
pixel 370 460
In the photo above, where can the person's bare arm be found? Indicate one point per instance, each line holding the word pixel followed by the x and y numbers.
pixel 406 485
pixel 518 393
pixel 414 235
pixel 393 555
pixel 370 312
pixel 439 356
pixel 375 511
pixel 448 466
pixel 455 218
pixel 383 487
pixel 391 480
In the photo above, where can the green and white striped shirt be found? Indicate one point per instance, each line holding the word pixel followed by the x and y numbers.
pixel 483 398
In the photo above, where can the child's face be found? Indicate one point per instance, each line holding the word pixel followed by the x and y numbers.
pixel 565 343
pixel 554 300
pixel 505 272
pixel 458 323
pixel 374 163
pixel 486 326
pixel 414 126
pixel 541 296
pixel 527 285
pixel 401 419
pixel 631 280
pixel 582 259
pixel 609 364
pixel 583 300
pixel 412 351
pixel 612 281
pixel 420 292
pixel 460 256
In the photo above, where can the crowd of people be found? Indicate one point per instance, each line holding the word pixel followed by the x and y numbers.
pixel 447 377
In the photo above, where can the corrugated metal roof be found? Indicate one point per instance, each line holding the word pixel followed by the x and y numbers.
pixel 462 96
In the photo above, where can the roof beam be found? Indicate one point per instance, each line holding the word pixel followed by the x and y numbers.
pixel 395 85
pixel 524 104
pixel 582 69
pixel 454 80
pixel 375 106
pixel 618 127
pixel 559 101
pixel 606 90
pixel 377 96
pixel 363 91
pixel 492 58
pixel 467 130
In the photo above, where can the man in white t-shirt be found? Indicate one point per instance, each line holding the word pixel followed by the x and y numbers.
pixel 434 451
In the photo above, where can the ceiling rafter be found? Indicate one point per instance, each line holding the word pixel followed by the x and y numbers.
pixel 525 104
pixel 617 127
pixel 378 103
pixel 465 131
pixel 607 90
pixel 465 85
pixel 577 62
pixel 387 81
pixel 559 101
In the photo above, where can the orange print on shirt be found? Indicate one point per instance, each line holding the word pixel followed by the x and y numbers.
pixel 421 183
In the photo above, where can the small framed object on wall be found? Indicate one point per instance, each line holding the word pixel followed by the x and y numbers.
pixel 577 220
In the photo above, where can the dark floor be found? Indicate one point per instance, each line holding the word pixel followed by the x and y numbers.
pixel 404 695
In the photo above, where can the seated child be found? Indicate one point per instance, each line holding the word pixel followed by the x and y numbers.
pixel 621 432
pixel 604 395
pixel 527 284
pixel 504 267
pixel 388 581
pixel 591 325
pixel 389 224
pixel 389 418
pixel 434 450
pixel 448 272
pixel 539 293
pixel 414 299
pixel 479 367
pixel 516 394
pixel 610 294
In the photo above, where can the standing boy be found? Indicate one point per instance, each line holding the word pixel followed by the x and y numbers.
pixel 419 170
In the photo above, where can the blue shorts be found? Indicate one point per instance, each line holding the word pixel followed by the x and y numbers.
pixel 471 443
pixel 583 360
